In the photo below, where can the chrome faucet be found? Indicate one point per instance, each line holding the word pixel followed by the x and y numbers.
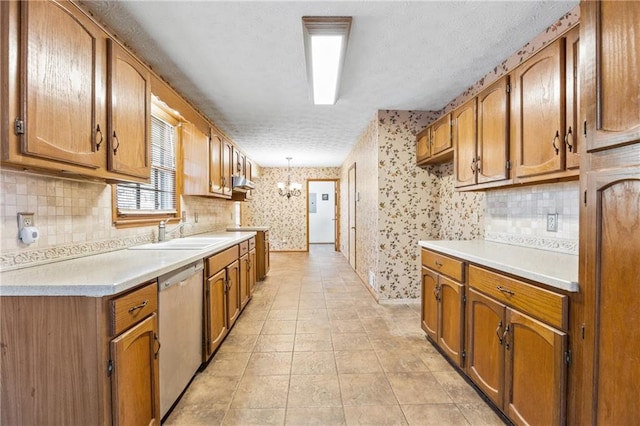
pixel 162 230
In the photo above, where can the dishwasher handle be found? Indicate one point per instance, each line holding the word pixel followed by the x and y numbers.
pixel 177 276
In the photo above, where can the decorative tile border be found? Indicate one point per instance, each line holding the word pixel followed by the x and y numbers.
pixel 28 258
pixel 551 244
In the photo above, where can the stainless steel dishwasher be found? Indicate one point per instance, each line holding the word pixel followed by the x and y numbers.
pixel 180 330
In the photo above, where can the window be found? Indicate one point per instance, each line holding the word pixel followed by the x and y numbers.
pixel 143 202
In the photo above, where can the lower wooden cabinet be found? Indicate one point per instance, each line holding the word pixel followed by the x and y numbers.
pixel 80 360
pixel 215 312
pixel 443 305
pixel 508 336
pixel 135 381
pixel 262 253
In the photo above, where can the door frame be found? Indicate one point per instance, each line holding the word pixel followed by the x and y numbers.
pixel 336 190
pixel 351 209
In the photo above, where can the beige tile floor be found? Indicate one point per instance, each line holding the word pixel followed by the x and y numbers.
pixel 313 347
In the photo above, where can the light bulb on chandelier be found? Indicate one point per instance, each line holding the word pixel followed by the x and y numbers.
pixel 289 189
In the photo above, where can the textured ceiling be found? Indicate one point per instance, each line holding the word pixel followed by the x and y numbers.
pixel 242 62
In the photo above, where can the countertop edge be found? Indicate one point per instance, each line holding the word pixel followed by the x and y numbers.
pixel 141 276
pixel 514 269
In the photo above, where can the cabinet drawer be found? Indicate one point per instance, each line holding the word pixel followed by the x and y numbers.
pixel 545 305
pixel 252 243
pixel 244 248
pixel 219 261
pixel 443 264
pixel 128 309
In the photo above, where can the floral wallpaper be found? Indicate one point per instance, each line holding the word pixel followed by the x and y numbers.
pixel 286 218
pixel 365 156
pixel 74 219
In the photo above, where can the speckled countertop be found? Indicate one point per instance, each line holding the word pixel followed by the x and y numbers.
pixel 108 273
pixel 249 228
pixel 554 269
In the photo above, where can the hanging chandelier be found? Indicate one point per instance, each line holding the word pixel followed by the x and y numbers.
pixel 289 189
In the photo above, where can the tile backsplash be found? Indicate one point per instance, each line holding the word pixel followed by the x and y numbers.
pixel 519 216
pixel 74 219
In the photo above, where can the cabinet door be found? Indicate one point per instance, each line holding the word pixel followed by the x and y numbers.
pixel 572 135
pixel 216 313
pixel 493 132
pixel 535 372
pixel 135 393
pixel 451 318
pixel 430 303
pixel 233 293
pixel 441 135
pixel 248 174
pixel 613 295
pixel 611 72
pixel 252 272
pixel 129 112
pixel 216 185
pixel 465 139
pixel 486 324
pixel 226 162
pixel 422 146
pixel 195 154
pixel 267 253
pixel 539 119
pixel 238 163
pixel 63 82
pixel 244 280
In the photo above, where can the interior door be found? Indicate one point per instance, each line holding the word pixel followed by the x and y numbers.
pixel 352 215
pixel 336 222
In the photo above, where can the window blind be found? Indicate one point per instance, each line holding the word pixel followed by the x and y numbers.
pixel 158 196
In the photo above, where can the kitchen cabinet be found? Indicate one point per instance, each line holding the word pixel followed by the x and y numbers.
pixel 69 87
pixel 262 254
pixel 135 390
pixel 105 356
pixel 195 161
pixel 238 166
pixel 434 144
pixel 482 149
pixel 610 73
pixel 128 113
pixel 248 174
pixel 604 374
pixel 222 297
pixel 252 270
pixel 545 111
pixel 443 303
pixel 244 274
pixel 517 347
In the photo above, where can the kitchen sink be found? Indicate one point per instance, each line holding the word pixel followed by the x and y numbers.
pixel 193 243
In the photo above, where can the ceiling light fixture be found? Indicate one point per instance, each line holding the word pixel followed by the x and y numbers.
pixel 289 189
pixel 325 45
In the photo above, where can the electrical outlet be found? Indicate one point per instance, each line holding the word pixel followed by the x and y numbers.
pixel 25 219
pixel 552 222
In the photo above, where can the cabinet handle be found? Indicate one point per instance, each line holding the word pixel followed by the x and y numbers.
pixel 473 164
pixel 477 164
pixel 224 181
pixel 155 337
pixel 566 139
pixel 115 138
pixel 140 306
pixel 99 132
pixel 498 332
pixel 505 290
pixel 438 264
pixel 436 291
pixel 556 138
pixel 504 337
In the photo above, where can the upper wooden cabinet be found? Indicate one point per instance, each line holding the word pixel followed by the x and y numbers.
pixel 434 144
pixel 63 83
pixel 129 113
pixel 76 101
pixel 481 137
pixel 195 157
pixel 611 54
pixel 226 168
pixel 545 111
pixel 238 163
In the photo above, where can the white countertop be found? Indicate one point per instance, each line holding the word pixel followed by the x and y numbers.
pixel 249 228
pixel 108 273
pixel 554 269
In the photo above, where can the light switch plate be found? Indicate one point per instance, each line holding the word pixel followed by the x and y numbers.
pixel 552 222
